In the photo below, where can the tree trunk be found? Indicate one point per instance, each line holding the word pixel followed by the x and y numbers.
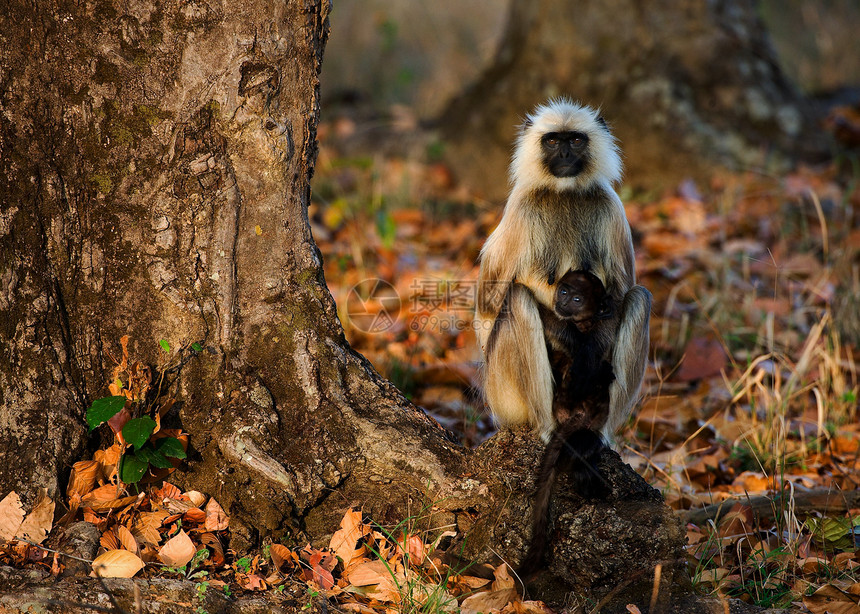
pixel 156 159
pixel 685 86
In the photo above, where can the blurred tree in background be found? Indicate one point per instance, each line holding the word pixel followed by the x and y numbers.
pixel 685 85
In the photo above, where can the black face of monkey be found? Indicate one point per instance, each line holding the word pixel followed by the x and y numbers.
pixel 565 154
pixel 581 298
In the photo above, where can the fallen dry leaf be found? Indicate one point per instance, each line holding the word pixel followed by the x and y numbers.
pixel 178 550
pixel 216 519
pixel 117 564
pixel 281 556
pixel 11 516
pixel 83 478
pixel 487 601
pixel 830 600
pixel 371 572
pixel 127 539
pixel 39 521
pixel 195 515
pixel 703 357
pixel 344 540
pixel 196 498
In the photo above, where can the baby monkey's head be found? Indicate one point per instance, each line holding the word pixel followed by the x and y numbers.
pixel 581 298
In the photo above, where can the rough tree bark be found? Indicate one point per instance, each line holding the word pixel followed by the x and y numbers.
pixel 155 159
pixel 685 85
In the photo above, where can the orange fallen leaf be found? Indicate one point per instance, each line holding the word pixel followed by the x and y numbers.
pixel 195 515
pixel 830 600
pixel 703 357
pixel 216 519
pixel 210 540
pixel 11 516
pixel 178 550
pixel 127 539
pixel 117 564
pixel 281 555
pixel 344 540
pixel 39 521
pixel 487 601
pixel 83 478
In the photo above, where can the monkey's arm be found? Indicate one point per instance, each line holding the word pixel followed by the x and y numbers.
pixel 628 357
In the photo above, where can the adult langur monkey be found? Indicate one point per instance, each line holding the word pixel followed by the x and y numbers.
pixel 562 215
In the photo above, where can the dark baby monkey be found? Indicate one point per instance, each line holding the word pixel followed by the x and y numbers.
pixel 580 400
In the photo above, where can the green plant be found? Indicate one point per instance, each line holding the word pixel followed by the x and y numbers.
pixel 243 564
pixel 138 433
pixel 312 594
pixel 134 413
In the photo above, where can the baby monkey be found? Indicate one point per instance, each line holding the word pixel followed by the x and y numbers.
pixel 580 401
pixel 579 366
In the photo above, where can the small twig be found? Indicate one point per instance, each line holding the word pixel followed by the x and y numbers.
pixel 40 546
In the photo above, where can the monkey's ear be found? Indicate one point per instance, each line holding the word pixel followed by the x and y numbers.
pixel 527 122
pixel 602 121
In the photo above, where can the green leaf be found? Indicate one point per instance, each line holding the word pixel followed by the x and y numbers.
pixel 103 410
pixel 164 345
pixel 137 431
pixel 154 457
pixel 132 468
pixel 170 446
pixel 196 347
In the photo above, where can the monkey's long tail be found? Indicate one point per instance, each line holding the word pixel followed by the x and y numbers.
pixel 577 450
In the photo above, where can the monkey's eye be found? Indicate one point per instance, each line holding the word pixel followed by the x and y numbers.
pixel 577 141
pixel 563 291
pixel 552 142
pixel 577 299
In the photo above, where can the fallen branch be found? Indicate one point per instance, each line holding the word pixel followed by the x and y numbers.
pixel 824 501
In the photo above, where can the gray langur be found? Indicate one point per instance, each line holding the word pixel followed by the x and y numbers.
pixel 562 215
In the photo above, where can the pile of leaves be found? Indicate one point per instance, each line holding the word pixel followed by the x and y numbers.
pixel 166 532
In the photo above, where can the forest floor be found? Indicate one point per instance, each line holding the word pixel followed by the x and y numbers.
pixel 749 422
pixel 750 398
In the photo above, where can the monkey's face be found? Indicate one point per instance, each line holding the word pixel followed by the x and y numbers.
pixel 565 154
pixel 563 146
pixel 581 298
